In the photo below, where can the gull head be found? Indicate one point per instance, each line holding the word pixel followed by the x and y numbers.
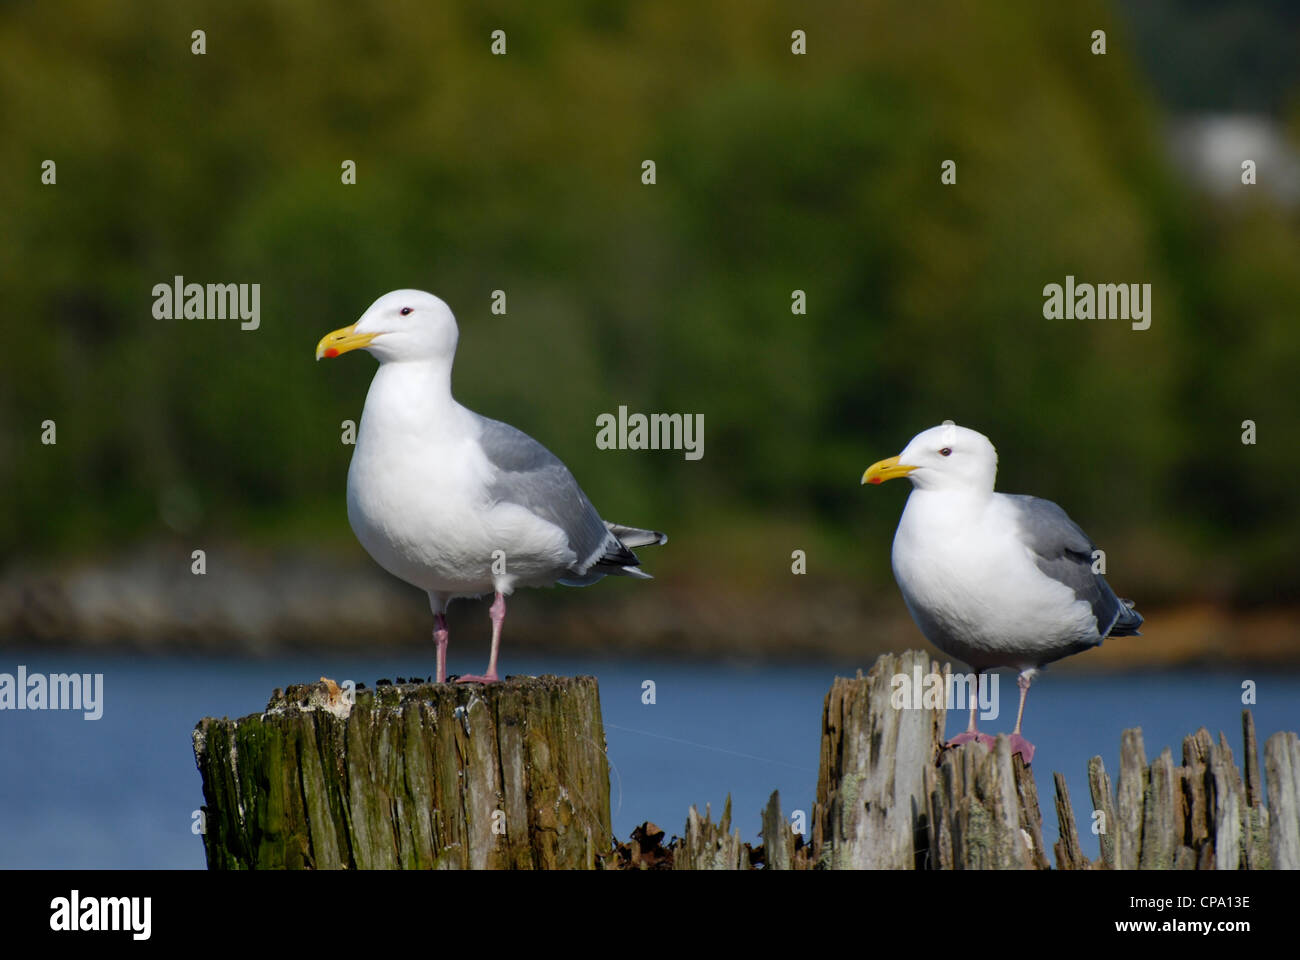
pixel 402 325
pixel 946 457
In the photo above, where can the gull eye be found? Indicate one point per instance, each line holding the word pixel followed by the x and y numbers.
pixel 946 451
pixel 404 311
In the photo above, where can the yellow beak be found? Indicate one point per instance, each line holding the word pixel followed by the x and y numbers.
pixel 889 469
pixel 341 341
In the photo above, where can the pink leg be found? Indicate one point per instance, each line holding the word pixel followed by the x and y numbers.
pixel 1018 743
pixel 440 637
pixel 971 733
pixel 498 614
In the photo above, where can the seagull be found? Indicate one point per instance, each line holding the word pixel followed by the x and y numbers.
pixel 455 503
pixel 994 579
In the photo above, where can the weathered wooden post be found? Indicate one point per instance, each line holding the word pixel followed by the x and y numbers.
pixel 511 775
pixel 890 795
pixel 1200 815
pixel 872 797
pixel 711 846
pixel 1282 765
pixel 983 812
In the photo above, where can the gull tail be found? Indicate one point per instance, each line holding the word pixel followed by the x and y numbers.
pixel 618 559
pixel 1128 621
pixel 635 536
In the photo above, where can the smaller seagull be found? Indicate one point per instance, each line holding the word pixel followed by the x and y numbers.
pixel 450 501
pixel 995 579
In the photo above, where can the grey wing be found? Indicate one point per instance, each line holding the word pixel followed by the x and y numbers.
pixel 532 477
pixel 1065 553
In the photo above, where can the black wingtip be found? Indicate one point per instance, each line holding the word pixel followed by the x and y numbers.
pixel 1128 621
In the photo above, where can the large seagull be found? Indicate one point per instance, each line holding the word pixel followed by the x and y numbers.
pixel 450 501
pixel 994 579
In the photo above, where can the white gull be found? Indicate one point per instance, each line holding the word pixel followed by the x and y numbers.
pixel 994 579
pixel 450 501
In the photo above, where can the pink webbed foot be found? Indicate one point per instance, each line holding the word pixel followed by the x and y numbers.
pixel 475 678
pixel 970 735
pixel 1022 746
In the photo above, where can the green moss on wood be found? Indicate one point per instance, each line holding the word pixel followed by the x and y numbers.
pixel 418 776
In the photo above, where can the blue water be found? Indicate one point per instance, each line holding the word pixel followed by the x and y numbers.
pixel 121 791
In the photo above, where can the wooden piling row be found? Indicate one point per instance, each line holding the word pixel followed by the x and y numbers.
pixel 891 795
pixel 514 776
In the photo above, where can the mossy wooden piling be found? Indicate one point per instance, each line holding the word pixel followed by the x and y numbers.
pixel 514 775
pixel 890 795
pixel 511 775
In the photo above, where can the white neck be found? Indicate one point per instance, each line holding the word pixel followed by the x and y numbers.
pixel 410 397
pixel 943 503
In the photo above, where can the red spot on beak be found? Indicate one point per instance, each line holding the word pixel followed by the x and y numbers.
pixel 874 480
pixel 331 353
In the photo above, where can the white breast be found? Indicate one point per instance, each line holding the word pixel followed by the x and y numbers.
pixel 419 503
pixel 973 587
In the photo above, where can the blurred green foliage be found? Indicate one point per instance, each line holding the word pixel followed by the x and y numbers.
pixel 523 173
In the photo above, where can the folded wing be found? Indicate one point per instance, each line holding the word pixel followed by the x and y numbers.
pixel 1064 552
pixel 530 476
